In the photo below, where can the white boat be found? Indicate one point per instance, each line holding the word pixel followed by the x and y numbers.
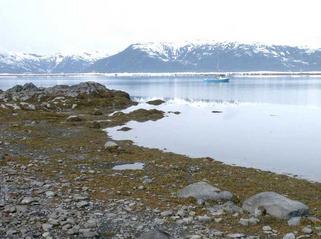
pixel 218 79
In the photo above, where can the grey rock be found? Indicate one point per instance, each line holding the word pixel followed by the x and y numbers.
pixel 73 118
pixel 167 213
pixel 111 145
pixel 10 209
pixel 78 197
pixel 294 221
pixel 250 221
pixel 275 205
pixel 235 235
pixel 88 233
pixel 28 200
pixel 267 228
pixel 204 191
pixel 155 234
pixel 46 227
pixel 307 230
pixel 289 236
pixel 73 231
pixel 91 223
pixel 50 194
pixel 204 218
pixel 82 204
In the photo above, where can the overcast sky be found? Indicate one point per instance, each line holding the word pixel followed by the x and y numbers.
pixel 49 26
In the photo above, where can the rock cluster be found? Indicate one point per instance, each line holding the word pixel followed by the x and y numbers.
pixel 30 97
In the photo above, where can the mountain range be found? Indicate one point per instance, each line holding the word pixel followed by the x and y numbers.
pixel 169 57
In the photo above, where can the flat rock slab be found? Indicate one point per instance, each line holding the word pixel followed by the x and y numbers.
pixel 276 205
pixel 204 191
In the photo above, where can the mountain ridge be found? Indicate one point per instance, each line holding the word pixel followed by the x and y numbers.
pixel 156 57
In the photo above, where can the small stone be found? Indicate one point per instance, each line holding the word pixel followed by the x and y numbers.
pixel 46 226
pixel 66 227
pixel 204 218
pixel 73 118
pixel 167 213
pixel 46 234
pixel 50 194
pixel 109 145
pixel 78 197
pixel 10 209
pixel 181 213
pixel 88 233
pixel 244 222
pixel 53 221
pixel 267 228
pixel 188 220
pixel 289 236
pixel 307 230
pixel 235 235
pixel 27 200
pixel 91 223
pixel 294 221
pixel 195 237
pixel 11 232
pixel 82 204
pixel 141 187
pixel 73 231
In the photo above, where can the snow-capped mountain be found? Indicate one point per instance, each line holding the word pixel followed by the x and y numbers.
pixel 58 63
pixel 169 57
pixel 211 56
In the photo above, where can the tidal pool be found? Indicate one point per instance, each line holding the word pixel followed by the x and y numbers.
pixel 279 138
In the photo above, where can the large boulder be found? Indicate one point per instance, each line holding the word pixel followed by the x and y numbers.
pixel 275 205
pixel 155 234
pixel 203 191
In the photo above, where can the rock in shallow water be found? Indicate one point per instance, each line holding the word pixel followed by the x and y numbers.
pixel 276 205
pixel 203 191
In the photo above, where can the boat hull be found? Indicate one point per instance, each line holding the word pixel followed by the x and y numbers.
pixel 223 80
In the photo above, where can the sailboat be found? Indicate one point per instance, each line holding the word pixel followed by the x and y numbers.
pixel 221 78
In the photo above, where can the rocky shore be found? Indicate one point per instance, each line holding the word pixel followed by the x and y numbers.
pixel 58 177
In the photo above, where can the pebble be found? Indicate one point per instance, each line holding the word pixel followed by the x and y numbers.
pixel 289 236
pixel 50 194
pixel 235 235
pixel 46 226
pixel 204 218
pixel 267 228
pixel 307 230
pixel 27 200
pixel 167 213
pixel 82 204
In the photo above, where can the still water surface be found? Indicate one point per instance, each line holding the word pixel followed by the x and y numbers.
pixel 267 123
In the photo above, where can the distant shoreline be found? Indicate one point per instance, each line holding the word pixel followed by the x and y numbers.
pixel 165 74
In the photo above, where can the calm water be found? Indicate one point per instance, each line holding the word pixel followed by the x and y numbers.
pixel 267 123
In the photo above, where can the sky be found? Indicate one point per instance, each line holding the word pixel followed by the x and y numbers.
pixel 70 26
